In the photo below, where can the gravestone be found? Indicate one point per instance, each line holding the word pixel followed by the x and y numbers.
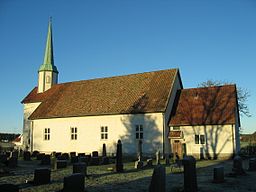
pixel 138 164
pixel 53 162
pixel 149 162
pixel 190 178
pixel 95 161
pixel 9 188
pixel 74 183
pixel 105 160
pixel 81 154
pixel 3 158
pixel 80 168
pixel 252 164
pixel 12 162
pixel 104 150
pixel 167 159
pixel 40 156
pixel 15 154
pixel 42 176
pixel 74 159
pixel 72 154
pixel 65 156
pixel 218 174
pixel 26 156
pixel 139 152
pixel 61 164
pixel 119 156
pixel 95 154
pixel 35 153
pixel 157 157
pixel 57 154
pixel 157 183
pixel 46 160
pixel 238 165
pixel 84 159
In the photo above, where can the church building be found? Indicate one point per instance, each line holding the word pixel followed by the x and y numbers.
pixel 151 107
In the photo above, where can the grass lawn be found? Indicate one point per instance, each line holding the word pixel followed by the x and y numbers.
pixel 100 179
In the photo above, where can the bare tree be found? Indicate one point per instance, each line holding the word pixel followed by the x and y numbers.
pixel 242 95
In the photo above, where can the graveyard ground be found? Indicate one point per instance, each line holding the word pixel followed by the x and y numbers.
pixel 100 179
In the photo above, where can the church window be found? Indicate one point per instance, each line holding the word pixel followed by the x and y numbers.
pixel 47 134
pixel 199 139
pixel 48 79
pixel 104 132
pixel 139 131
pixel 73 131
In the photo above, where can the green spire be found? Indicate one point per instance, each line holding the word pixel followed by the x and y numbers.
pixel 48 64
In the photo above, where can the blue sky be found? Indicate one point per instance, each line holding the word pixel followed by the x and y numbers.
pixel 96 38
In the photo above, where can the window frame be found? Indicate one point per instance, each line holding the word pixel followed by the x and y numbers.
pixel 104 132
pixel 199 139
pixel 47 134
pixel 73 133
pixel 139 131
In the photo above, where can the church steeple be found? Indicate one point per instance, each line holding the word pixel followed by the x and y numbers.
pixel 47 73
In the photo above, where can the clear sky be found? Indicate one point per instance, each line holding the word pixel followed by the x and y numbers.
pixel 100 38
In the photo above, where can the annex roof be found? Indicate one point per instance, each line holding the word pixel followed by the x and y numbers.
pixel 205 106
pixel 136 93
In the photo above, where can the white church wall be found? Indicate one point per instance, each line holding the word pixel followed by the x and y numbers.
pixel 89 133
pixel 219 140
pixel 27 111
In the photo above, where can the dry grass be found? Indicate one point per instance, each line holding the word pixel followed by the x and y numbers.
pixel 100 179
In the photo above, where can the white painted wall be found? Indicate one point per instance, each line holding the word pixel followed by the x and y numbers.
pixel 28 109
pixel 89 133
pixel 219 140
pixel 43 83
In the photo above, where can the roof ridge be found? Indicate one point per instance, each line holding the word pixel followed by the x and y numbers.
pixel 210 87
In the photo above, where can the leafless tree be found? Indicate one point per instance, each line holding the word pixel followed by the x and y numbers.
pixel 242 95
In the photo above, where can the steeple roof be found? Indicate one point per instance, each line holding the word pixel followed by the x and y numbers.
pixel 48 64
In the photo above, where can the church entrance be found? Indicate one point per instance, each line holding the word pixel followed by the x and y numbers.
pixel 177 148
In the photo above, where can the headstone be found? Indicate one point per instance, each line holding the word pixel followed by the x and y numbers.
pixel 119 156
pixel 15 154
pixel 104 150
pixel 42 176
pixel 12 162
pixel 80 168
pixel 8 154
pixel 61 164
pixel 252 164
pixel 157 183
pixel 84 159
pixel 3 158
pixel 65 156
pixel 40 156
pixel 74 159
pixel 26 156
pixel 9 188
pixel 158 157
pixel 139 152
pixel 74 183
pixel 53 162
pixel 72 154
pixel 149 162
pixel 167 159
pixel 238 165
pixel 46 160
pixel 35 153
pixel 218 174
pixel 190 178
pixel 138 164
pixel 81 154
pixel 95 154
pixel 57 154
pixel 105 160
pixel 95 161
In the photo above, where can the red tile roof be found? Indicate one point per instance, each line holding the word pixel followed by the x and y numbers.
pixel 205 106
pixel 136 93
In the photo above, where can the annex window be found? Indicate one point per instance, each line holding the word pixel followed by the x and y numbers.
pixel 47 134
pixel 199 139
pixel 104 132
pixel 176 128
pixel 139 131
pixel 73 131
